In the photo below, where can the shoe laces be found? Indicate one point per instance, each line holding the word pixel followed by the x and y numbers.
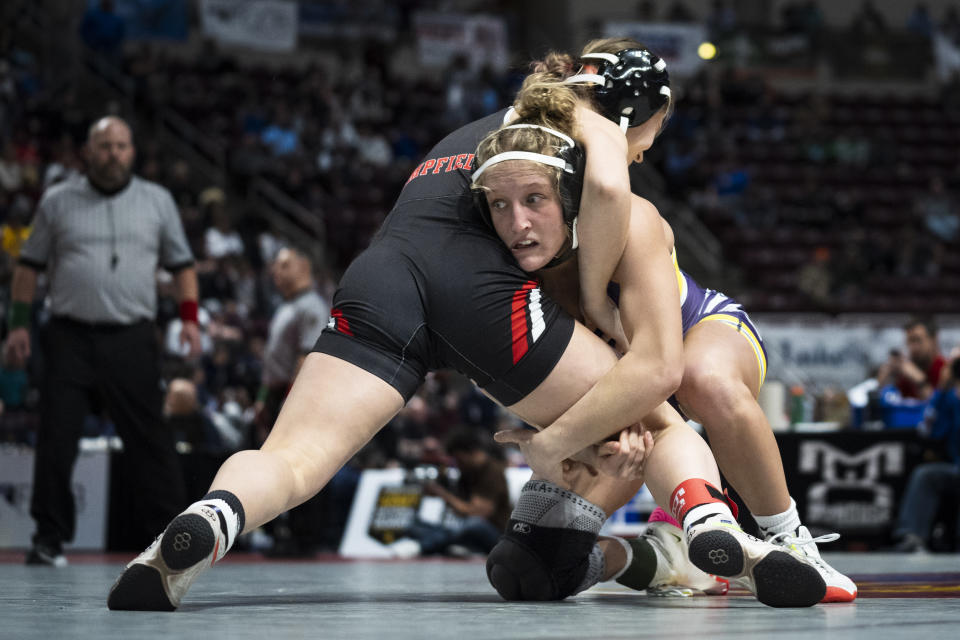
pixel 805 544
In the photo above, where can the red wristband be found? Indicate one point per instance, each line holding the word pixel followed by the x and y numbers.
pixel 188 310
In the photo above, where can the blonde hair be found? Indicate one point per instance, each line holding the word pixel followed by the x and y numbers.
pixel 545 101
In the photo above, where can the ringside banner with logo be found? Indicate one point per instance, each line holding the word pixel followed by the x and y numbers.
pixel 266 25
pixel 850 482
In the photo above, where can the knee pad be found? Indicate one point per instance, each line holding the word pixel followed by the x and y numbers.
pixel 549 550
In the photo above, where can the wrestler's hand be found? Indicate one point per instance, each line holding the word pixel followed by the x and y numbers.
pixel 627 456
pixel 537 459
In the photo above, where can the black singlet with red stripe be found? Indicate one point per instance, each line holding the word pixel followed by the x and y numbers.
pixel 437 289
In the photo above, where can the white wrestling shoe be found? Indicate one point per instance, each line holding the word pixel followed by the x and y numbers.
pixel 683 578
pixel 158 578
pixel 777 575
pixel 840 588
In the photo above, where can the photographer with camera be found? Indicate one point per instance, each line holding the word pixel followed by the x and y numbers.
pixel 480 498
pixel 919 373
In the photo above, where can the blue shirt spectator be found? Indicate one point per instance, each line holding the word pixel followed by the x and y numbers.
pixel 102 29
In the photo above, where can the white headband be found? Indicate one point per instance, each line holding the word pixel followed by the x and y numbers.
pixel 553 161
pixel 609 57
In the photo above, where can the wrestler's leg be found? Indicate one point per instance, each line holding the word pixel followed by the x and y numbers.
pixel 721 380
pixel 333 409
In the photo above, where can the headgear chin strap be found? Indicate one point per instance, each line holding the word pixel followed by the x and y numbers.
pixel 631 85
pixel 570 159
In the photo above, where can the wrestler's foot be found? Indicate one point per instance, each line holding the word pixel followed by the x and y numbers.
pixel 840 588
pixel 158 578
pixel 778 576
pixel 683 577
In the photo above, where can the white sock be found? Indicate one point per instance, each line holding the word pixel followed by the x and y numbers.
pixel 708 511
pixel 786 522
pixel 229 516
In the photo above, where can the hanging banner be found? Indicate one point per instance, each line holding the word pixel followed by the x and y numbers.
pixel 442 37
pixel 266 25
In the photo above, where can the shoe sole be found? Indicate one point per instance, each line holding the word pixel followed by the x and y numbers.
pixel 186 541
pixel 140 588
pixel 780 579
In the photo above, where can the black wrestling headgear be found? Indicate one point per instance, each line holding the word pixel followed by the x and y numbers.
pixel 631 85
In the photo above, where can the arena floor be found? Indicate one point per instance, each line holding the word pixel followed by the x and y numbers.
pixel 248 597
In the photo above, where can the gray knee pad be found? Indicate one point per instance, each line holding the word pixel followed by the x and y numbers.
pixel 549 550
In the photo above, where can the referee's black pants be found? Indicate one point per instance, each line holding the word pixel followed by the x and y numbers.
pixel 121 364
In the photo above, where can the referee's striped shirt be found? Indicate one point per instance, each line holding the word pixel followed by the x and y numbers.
pixel 101 252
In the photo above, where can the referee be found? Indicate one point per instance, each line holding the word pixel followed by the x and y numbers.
pixel 101 239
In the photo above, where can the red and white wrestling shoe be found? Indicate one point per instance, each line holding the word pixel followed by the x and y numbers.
pixel 840 588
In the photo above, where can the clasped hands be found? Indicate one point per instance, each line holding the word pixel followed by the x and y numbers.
pixel 622 457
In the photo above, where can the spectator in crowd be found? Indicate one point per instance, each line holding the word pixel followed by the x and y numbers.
pixel 103 30
pixel 480 498
pixel 11 173
pixel 950 24
pixel 294 329
pixel 679 12
pixel 919 21
pixel 815 278
pixel 933 483
pixel 102 239
pixel 868 20
pixel 188 422
pixel 939 211
pixel 16 228
pixel 722 20
pixel 918 374
pixel 221 238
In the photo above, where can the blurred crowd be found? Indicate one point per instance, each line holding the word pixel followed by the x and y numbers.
pixel 211 402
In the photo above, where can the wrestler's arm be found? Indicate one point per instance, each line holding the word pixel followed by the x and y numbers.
pixel 651 369
pixel 604 218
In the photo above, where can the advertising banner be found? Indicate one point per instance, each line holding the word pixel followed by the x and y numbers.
pixel 266 25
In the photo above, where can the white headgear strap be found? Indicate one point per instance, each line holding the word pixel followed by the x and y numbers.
pixel 552 161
